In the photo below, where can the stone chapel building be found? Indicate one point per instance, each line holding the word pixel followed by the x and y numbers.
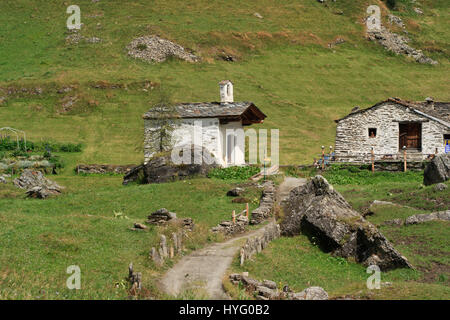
pixel 422 128
pixel 215 119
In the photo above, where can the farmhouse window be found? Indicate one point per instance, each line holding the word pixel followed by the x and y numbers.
pixel 372 132
pixel 447 136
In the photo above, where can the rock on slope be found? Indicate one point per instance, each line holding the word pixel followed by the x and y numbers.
pixel 319 211
pixel 156 49
pixel 161 169
pixel 438 170
pixel 37 185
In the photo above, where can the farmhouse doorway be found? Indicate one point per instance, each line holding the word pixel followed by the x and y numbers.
pixel 410 135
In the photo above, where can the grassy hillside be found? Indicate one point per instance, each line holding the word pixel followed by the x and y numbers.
pixel 283 63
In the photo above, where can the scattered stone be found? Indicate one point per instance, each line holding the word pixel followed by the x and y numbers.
pixel 396 20
pixel 418 11
pixel 267 290
pixel 135 278
pixel 155 49
pixel 140 226
pixel 438 170
pixel 394 222
pixel 319 211
pixel 36 185
pixel 312 293
pixel 336 42
pixel 163 246
pixel 398 44
pixel 440 187
pixel 230 228
pixel 161 216
pixel 256 14
pixel 270 284
pixel 426 217
pixel 235 192
pixel 3 179
pixel 103 168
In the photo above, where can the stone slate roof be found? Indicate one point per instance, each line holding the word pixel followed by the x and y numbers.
pixel 213 110
pixel 439 111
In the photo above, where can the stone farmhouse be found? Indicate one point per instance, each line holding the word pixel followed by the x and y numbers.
pixel 422 128
pixel 215 119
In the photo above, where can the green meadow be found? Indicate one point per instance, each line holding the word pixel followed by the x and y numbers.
pixel 94 94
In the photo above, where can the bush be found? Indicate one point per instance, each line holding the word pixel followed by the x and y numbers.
pixel 234 173
pixel 8 144
pixel 391 4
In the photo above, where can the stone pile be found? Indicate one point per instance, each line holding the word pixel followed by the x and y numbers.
pixel 257 244
pixel 155 49
pixel 165 250
pixel 438 170
pixel 267 290
pixel 320 212
pixel 229 227
pixel 103 168
pixel 266 203
pixel 235 192
pixel 163 217
pixel 36 185
pixel 398 44
pixel 421 218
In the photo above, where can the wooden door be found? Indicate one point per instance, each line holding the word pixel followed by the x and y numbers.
pixel 410 135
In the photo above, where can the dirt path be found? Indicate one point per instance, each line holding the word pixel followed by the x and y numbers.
pixel 205 268
pixel 287 185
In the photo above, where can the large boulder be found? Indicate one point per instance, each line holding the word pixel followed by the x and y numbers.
pixel 320 212
pixel 36 185
pixel 160 168
pixel 438 170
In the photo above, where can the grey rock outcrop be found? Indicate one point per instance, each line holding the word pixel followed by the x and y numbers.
pixel 438 170
pixel 440 187
pixel 235 192
pixel 267 290
pixel 36 185
pixel 398 44
pixel 320 212
pixel 155 49
pixel 160 169
pixel 435 216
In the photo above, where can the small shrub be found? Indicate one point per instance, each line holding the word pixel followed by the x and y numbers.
pixel 391 4
pixel 234 173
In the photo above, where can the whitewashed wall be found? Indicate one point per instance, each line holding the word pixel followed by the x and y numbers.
pixel 353 143
pixel 239 150
pixel 213 134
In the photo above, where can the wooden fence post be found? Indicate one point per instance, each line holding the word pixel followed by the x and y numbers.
pixel 323 157
pixel 405 165
pixel 234 216
pixel 373 160
pixel 246 209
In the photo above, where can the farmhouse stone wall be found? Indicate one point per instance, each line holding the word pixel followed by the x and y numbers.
pixel 353 143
